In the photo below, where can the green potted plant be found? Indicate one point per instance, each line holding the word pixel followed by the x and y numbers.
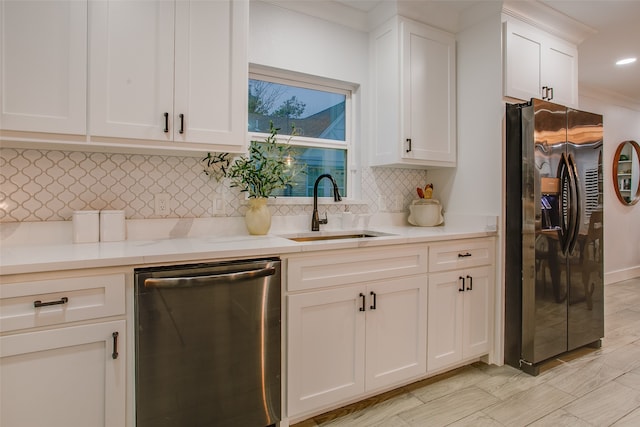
pixel 270 166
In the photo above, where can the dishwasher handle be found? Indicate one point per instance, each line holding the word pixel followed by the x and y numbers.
pixel 188 282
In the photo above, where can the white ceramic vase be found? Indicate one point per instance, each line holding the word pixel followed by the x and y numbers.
pixel 258 217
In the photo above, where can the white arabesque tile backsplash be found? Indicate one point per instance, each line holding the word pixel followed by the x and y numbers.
pixel 48 185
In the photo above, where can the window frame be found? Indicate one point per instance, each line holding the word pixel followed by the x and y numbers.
pixel 349 90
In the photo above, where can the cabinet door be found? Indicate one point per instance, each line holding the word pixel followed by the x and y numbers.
pixel 396 330
pixel 131 68
pixel 43 66
pixel 560 72
pixel 386 140
pixel 523 61
pixel 428 94
pixel 477 312
pixel 326 348
pixel 445 320
pixel 211 74
pixel 64 377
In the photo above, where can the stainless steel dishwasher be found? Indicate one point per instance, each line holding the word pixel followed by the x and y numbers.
pixel 208 344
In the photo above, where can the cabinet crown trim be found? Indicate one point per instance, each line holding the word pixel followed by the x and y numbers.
pixel 549 20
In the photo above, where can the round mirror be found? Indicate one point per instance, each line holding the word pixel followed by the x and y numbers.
pixel 626 167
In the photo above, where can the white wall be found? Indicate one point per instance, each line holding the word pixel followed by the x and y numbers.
pixel 621 223
pixel 475 185
pixel 289 40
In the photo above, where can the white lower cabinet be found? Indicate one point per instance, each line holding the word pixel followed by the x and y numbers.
pixel 459 313
pixel 346 341
pixel 66 377
pixel 63 351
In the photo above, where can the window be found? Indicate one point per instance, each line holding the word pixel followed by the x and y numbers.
pixel 313 117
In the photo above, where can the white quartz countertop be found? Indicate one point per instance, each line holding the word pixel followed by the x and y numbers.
pixel 29 257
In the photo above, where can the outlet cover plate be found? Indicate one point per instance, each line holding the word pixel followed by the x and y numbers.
pixel 162 201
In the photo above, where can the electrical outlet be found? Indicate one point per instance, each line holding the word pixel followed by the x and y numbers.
pixel 397 203
pixel 162 201
pixel 382 203
pixel 219 206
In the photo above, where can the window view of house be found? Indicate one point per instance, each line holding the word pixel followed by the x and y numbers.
pixel 316 123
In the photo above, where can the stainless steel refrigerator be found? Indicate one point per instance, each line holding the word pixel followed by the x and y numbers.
pixel 554 232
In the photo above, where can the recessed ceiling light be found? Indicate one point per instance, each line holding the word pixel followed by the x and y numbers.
pixel 626 61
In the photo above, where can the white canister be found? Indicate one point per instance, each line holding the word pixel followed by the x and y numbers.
pixel 112 226
pixel 425 213
pixel 86 226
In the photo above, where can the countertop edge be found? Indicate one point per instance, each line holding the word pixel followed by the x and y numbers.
pixel 137 254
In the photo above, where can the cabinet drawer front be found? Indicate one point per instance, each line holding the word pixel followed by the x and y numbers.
pixel 60 300
pixel 339 268
pixel 461 254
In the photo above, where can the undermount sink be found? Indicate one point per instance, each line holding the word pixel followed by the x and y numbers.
pixel 312 237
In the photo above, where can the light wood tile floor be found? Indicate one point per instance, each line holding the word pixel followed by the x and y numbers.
pixel 586 387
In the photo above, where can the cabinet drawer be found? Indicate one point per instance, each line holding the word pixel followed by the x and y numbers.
pixel 461 254
pixel 339 268
pixel 60 300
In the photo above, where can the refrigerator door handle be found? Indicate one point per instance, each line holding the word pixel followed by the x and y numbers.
pixel 566 215
pixel 576 203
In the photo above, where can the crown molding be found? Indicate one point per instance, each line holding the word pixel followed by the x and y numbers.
pixel 609 97
pixel 331 11
pixel 548 19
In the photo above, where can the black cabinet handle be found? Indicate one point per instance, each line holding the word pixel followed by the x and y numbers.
pixel 470 287
pixel 409 142
pixel 545 92
pixel 373 307
pixel 362 306
pixel 462 288
pixel 551 92
pixel 39 303
pixel 115 345
pixel 181 123
pixel 465 255
pixel 166 123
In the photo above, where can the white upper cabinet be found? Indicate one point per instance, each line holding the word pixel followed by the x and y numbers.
pixel 174 72
pixel 414 95
pixel 211 71
pixel 560 73
pixel 131 68
pixel 43 63
pixel 538 65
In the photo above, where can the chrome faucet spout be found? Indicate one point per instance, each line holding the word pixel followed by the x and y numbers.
pixel 315 219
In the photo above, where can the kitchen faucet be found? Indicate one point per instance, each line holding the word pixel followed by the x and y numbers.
pixel 315 220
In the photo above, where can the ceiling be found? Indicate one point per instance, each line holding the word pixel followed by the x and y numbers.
pixel 612 33
pixel 617 36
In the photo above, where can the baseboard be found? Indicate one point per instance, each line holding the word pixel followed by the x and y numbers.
pixel 620 275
